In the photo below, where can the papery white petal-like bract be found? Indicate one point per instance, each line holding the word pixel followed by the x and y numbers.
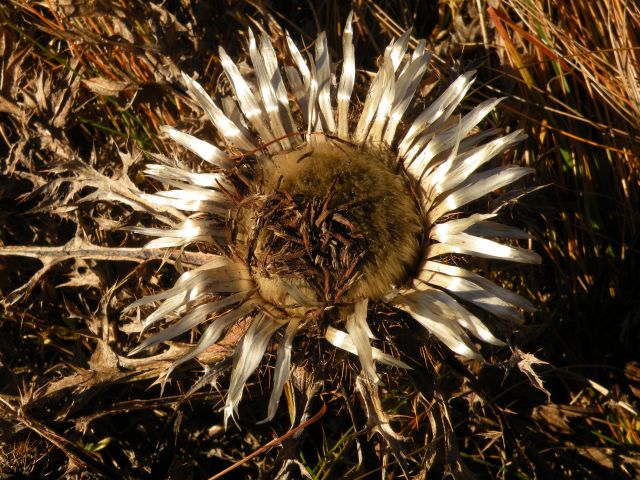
pixel 213 333
pixel 282 367
pixel 248 357
pixel 419 305
pixel 359 333
pixel 207 152
pixel 194 318
pixel 343 340
pixel 347 78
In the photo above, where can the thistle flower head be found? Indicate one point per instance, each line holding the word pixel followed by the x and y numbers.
pixel 318 208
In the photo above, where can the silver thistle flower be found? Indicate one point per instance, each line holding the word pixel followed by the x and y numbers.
pixel 317 210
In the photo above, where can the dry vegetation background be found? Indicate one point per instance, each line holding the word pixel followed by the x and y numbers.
pixel 85 86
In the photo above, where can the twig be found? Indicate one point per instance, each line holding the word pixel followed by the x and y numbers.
pixel 273 443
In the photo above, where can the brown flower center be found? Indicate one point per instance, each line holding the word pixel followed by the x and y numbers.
pixel 331 224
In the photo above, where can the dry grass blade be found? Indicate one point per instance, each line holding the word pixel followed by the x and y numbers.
pixel 277 441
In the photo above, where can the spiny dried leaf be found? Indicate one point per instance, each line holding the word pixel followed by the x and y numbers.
pixel 85 8
pixel 378 420
pixel 104 86
pixel 525 363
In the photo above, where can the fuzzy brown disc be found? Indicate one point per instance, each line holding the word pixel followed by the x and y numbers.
pixel 331 223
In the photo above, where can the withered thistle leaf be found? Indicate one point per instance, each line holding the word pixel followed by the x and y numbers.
pixel 525 362
pixel 103 86
pixel 85 8
pixel 6 106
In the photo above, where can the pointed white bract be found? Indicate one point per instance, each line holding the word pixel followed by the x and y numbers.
pixel 347 79
pixel 283 365
pixel 212 334
pixel 420 305
pixel 246 100
pixel 438 152
pixel 194 318
pixel 188 201
pixel 266 82
pixel 238 134
pixel 323 74
pixel 435 115
pixel 477 186
pixel 343 340
pixel 299 78
pixel 376 91
pixel 359 332
pixel 207 152
pixel 247 358
pixel 406 86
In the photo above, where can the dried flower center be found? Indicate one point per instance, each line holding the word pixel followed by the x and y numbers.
pixel 332 224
